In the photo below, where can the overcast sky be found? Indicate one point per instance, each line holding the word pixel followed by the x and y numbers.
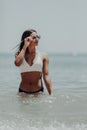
pixel 62 24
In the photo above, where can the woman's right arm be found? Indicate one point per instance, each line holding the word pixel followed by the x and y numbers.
pixel 20 56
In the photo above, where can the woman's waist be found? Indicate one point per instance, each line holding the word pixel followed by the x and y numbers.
pixel 31 82
pixel 30 87
pixel 31 91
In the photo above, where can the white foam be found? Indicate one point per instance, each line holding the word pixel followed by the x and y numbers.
pixel 6 125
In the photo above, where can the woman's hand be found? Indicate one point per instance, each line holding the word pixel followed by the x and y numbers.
pixel 27 41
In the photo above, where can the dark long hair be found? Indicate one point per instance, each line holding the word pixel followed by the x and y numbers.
pixel 25 34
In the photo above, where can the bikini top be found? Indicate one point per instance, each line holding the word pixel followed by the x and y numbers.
pixel 36 66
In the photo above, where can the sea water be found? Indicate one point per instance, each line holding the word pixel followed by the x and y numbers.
pixel 66 109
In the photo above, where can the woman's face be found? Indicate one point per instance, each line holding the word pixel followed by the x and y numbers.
pixel 35 38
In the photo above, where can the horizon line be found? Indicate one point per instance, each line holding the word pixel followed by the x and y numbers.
pixel 60 53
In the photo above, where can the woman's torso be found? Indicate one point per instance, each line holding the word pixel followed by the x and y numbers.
pixel 31 75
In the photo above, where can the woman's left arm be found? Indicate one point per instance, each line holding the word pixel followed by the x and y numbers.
pixel 46 75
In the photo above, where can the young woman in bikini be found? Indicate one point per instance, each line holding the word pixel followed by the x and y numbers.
pixel 33 65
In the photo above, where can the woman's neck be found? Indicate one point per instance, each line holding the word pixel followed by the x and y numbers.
pixel 31 50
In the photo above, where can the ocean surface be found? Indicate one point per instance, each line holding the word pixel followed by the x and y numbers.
pixel 66 109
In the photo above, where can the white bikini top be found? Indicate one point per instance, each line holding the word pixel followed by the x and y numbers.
pixel 37 65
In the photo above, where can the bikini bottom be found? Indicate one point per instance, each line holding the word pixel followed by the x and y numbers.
pixel 40 90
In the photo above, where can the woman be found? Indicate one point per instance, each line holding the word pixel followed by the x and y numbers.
pixel 33 65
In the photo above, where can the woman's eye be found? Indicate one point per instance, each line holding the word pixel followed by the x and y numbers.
pixel 34 37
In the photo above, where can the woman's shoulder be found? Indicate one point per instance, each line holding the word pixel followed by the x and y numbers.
pixel 44 55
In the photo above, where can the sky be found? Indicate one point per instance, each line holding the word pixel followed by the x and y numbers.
pixel 62 24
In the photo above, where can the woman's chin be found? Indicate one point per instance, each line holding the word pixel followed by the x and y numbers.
pixel 36 43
